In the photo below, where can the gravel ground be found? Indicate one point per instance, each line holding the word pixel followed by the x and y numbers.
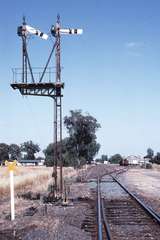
pixel 111 190
pixel 57 223
pixel 60 222
pixel 145 184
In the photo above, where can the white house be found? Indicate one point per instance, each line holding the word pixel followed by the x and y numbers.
pixel 134 160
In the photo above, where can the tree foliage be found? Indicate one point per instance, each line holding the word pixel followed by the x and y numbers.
pixel 14 151
pixel 156 159
pixel 30 149
pixel 4 152
pixel 104 158
pixel 150 154
pixel 82 136
pixel 117 158
pixel 49 153
pixel 81 146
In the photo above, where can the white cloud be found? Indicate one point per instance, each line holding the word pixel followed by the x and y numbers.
pixel 134 45
pixel 134 48
pixel 130 44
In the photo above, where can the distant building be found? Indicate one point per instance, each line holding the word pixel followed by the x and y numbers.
pixel 106 162
pixel 28 162
pixel 144 161
pixel 134 160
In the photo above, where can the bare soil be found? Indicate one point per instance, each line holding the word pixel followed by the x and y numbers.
pixel 145 184
pixel 37 221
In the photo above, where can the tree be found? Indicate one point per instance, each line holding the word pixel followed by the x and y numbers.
pixel 104 158
pixel 82 137
pixel 150 154
pixel 98 160
pixel 4 152
pixel 117 158
pixel 66 153
pixel 30 148
pixel 157 158
pixel 48 152
pixel 15 151
pixel 93 149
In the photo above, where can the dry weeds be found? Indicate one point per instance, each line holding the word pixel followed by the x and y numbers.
pixel 35 179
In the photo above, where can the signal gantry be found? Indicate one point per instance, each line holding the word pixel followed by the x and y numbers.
pixel 40 82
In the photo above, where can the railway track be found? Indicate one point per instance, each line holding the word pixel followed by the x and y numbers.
pixel 127 217
pixel 120 217
pixel 90 223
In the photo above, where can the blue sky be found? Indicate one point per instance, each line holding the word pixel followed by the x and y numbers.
pixel 111 71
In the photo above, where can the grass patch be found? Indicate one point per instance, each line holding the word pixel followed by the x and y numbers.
pixel 35 179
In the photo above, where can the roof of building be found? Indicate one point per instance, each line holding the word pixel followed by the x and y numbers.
pixel 133 157
pixel 30 161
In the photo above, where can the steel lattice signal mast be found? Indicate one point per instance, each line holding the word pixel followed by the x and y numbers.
pixel 28 85
pixel 57 31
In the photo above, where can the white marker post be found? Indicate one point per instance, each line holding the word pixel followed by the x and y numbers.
pixel 12 195
pixel 11 166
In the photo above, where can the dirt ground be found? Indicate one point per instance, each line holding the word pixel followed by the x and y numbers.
pixel 37 221
pixel 145 183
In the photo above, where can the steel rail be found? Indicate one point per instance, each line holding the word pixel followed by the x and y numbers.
pixel 116 171
pixel 154 212
pixel 106 225
pixel 99 216
pixel 150 212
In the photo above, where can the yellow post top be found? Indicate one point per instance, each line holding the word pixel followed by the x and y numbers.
pixel 11 165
